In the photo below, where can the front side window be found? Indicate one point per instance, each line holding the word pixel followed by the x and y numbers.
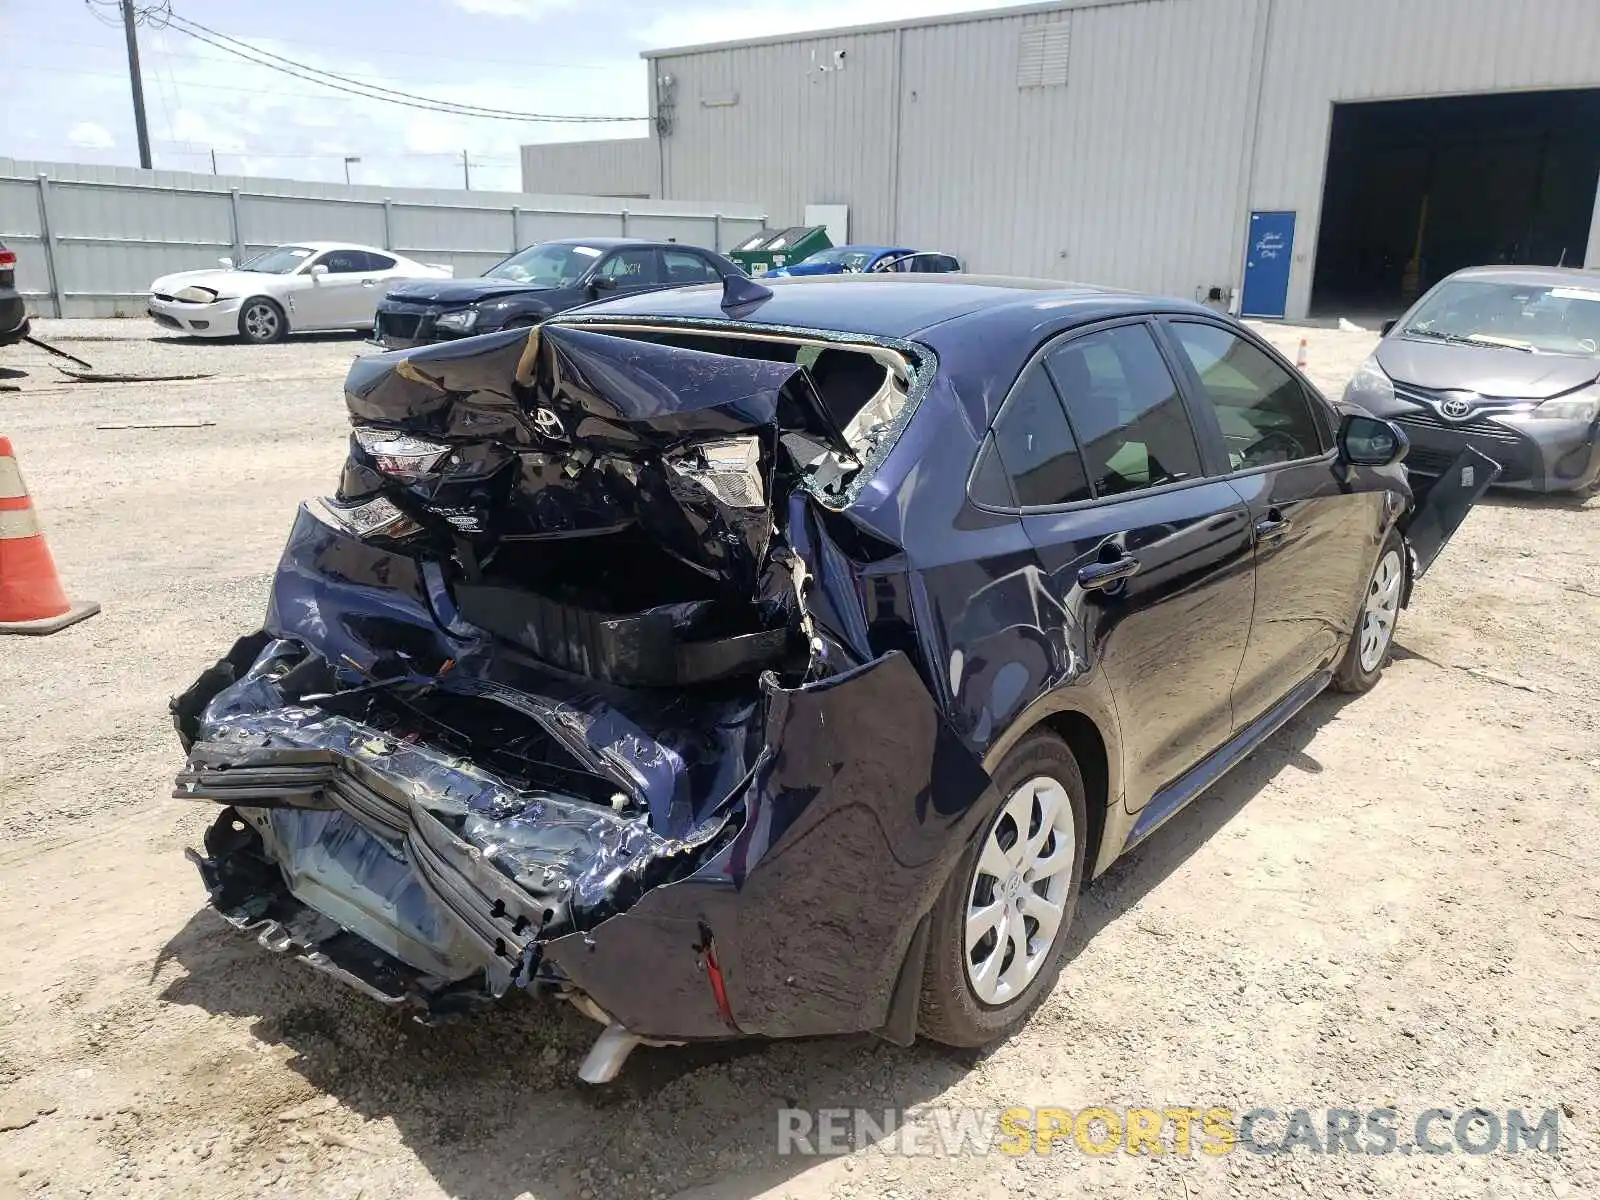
pixel 630 267
pixel 1265 415
pixel 1035 445
pixel 1126 409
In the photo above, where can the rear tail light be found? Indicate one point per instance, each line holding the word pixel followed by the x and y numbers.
pixel 371 518
pixel 730 470
pixel 8 260
pixel 400 455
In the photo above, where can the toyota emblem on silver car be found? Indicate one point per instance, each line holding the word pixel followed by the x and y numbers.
pixel 1455 407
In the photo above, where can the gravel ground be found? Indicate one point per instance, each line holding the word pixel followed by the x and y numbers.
pixel 1391 903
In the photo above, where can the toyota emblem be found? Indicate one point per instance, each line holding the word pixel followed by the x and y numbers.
pixel 1455 407
pixel 548 423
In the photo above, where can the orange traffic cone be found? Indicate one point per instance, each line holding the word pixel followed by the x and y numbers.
pixel 31 599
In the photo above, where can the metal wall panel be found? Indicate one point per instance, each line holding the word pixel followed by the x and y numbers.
pixel 115 229
pixel 1127 176
pixel 610 167
pixel 1323 52
pixel 1177 118
pixel 787 125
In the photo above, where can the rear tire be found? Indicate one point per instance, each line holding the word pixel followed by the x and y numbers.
pixel 261 321
pixel 991 955
pixel 1372 640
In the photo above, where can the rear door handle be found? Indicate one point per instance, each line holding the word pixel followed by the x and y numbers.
pixel 1107 574
pixel 1273 525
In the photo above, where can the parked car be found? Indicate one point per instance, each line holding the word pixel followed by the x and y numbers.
pixel 844 260
pixel 14 322
pixel 781 661
pixel 1502 359
pixel 534 283
pixel 294 288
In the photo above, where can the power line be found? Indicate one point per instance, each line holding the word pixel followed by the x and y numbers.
pixel 370 91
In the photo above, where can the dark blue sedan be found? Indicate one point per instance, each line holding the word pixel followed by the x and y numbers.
pixel 779 661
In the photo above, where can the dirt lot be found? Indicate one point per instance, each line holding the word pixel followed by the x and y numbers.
pixel 1392 904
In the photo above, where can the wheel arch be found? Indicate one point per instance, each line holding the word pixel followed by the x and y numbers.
pixel 1090 731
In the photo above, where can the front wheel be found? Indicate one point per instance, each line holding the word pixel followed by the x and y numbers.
pixel 999 928
pixel 1372 641
pixel 261 321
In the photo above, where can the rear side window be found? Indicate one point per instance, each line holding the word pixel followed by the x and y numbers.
pixel 1264 412
pixel 685 267
pixel 1126 410
pixel 1035 445
pixel 377 262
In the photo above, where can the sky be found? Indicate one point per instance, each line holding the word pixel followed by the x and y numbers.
pixel 65 88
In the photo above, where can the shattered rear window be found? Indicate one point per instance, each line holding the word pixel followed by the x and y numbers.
pixel 870 385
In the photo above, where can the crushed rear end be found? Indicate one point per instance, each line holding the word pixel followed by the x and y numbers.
pixel 565 690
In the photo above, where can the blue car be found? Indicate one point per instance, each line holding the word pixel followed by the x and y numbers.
pixel 850 260
pixel 780 661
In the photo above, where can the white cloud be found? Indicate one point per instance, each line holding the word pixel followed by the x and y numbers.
pixel 511 8
pixel 89 136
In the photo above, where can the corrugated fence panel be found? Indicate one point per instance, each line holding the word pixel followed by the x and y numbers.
pixel 117 229
pixel 274 219
pixel 437 228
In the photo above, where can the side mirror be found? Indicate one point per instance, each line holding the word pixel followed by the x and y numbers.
pixel 603 283
pixel 1371 442
pixel 225 263
pixel 318 271
pixel 1387 326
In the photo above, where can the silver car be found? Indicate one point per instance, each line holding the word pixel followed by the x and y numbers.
pixel 1502 359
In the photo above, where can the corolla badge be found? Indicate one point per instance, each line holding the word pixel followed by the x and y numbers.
pixel 547 423
pixel 1455 407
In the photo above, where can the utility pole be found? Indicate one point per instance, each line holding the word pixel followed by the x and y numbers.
pixel 213 160
pixel 466 172
pixel 138 84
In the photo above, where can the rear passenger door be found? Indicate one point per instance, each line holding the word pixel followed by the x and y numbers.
pixel 1146 553
pixel 1315 540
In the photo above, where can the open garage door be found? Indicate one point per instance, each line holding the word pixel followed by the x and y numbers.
pixel 1416 189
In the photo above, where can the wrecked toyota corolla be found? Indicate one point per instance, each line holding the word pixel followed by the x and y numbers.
pixel 745 661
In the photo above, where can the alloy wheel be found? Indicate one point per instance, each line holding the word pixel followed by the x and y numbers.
pixel 1016 898
pixel 1381 608
pixel 261 322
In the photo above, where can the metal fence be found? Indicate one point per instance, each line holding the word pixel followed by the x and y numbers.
pixel 89 240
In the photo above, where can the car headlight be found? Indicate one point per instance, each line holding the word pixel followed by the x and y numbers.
pixel 729 469
pixel 458 322
pixel 378 517
pixel 1582 406
pixel 1370 387
pixel 195 295
pixel 400 455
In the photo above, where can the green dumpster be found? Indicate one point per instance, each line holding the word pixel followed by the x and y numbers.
pixel 771 248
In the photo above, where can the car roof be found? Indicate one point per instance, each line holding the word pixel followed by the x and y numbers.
pixel 321 246
pixel 896 306
pixel 1532 276
pixel 608 242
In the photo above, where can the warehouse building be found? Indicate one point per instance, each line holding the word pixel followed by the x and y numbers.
pixel 1281 157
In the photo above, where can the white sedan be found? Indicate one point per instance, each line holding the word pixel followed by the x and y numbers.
pixel 295 288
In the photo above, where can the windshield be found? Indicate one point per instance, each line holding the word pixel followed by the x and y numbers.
pixel 549 265
pixel 851 260
pixel 1548 318
pixel 280 260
